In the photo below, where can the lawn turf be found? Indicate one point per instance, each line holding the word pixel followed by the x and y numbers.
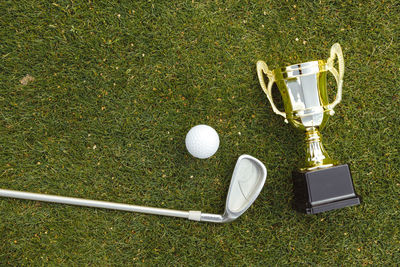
pixel 118 84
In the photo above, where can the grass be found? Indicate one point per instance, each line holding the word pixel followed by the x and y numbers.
pixel 116 87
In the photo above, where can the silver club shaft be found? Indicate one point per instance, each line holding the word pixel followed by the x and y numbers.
pixel 192 215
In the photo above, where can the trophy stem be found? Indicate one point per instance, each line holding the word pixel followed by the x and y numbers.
pixel 316 155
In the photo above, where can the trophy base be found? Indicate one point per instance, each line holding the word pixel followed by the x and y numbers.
pixel 324 189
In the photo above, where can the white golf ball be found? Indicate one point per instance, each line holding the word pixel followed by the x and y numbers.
pixel 202 141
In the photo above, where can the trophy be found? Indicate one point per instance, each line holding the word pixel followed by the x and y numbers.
pixel 320 184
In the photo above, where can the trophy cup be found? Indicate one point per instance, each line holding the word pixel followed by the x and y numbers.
pixel 321 184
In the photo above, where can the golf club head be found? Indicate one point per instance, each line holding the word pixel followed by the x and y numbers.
pixel 247 181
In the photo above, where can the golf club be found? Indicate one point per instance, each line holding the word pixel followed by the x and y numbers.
pixel 246 183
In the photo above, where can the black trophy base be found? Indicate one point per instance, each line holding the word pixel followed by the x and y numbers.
pixel 323 190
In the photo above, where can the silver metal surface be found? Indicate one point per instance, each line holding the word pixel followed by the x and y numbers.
pixel 246 184
pixel 247 181
pixel 92 203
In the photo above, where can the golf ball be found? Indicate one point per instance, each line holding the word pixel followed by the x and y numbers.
pixel 202 141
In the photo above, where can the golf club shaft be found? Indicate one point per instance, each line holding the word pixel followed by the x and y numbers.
pixel 192 215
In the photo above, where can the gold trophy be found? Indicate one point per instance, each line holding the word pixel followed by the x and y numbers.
pixel 321 184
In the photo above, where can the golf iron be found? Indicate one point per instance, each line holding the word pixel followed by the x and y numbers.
pixel 246 183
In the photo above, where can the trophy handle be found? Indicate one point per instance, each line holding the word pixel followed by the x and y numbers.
pixel 336 51
pixel 262 68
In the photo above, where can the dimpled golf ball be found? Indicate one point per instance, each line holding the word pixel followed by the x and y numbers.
pixel 202 141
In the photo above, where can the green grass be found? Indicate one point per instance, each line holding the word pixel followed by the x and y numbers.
pixel 117 86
